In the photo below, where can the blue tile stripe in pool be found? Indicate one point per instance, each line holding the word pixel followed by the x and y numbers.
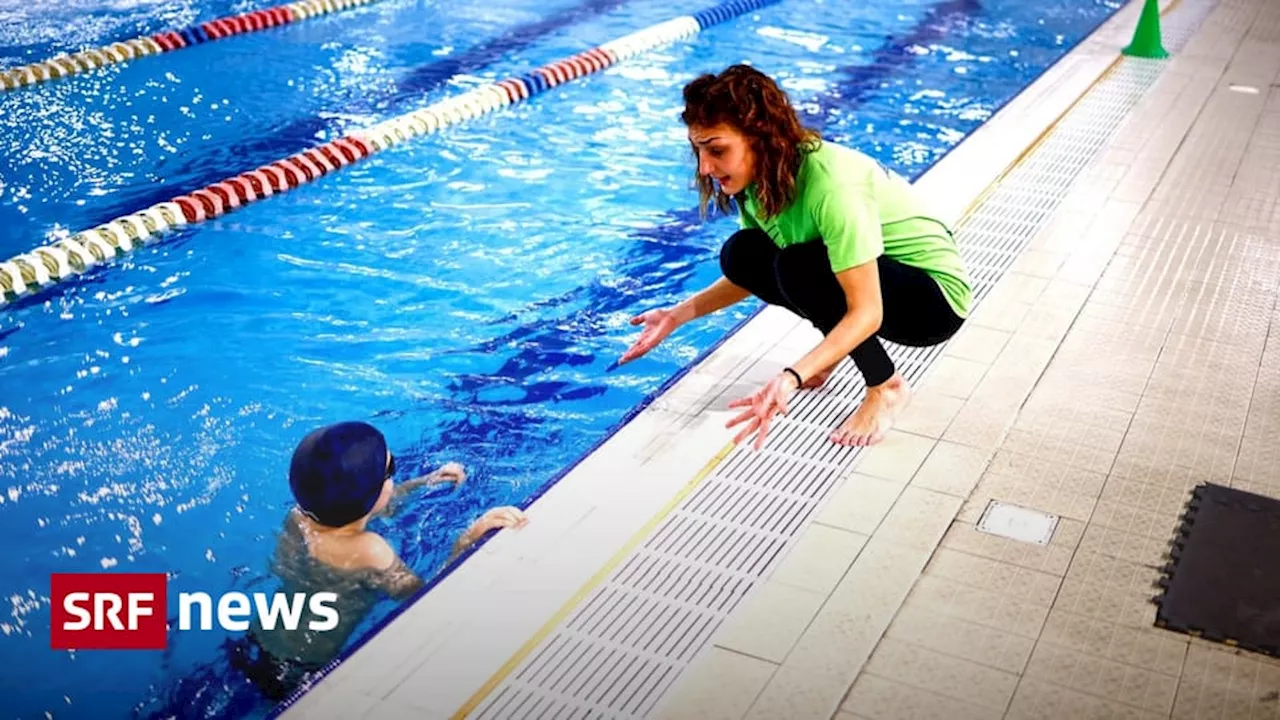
pixel 45 266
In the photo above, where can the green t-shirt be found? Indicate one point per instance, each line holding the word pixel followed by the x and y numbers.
pixel 849 201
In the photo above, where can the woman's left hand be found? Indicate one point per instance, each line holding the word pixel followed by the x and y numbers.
pixel 761 407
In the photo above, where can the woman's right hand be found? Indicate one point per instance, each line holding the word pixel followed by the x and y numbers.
pixel 658 324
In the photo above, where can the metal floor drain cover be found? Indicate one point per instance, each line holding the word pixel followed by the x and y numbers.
pixel 1018 523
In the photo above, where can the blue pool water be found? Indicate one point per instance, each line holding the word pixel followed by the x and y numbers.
pixel 466 292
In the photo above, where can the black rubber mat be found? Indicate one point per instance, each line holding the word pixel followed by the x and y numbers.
pixel 1223 579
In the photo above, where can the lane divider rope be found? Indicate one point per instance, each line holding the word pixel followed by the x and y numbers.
pixel 45 266
pixel 86 60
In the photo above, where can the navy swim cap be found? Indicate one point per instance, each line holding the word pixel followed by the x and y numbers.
pixel 338 471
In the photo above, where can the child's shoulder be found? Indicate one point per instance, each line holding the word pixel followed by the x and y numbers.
pixel 380 567
pixel 370 551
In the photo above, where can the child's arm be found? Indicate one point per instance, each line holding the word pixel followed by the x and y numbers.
pixel 391 575
pixel 447 473
pixel 400 581
pixel 501 517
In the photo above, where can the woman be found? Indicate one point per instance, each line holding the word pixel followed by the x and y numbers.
pixel 827 233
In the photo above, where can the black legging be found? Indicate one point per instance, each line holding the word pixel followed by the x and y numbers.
pixel 800 279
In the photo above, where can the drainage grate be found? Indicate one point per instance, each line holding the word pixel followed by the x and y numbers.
pixel 1018 523
pixel 623 648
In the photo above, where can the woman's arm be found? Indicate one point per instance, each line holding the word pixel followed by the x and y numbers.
pixel 847 216
pixel 716 296
pixel 861 320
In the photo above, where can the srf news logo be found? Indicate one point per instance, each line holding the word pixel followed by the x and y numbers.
pixel 128 611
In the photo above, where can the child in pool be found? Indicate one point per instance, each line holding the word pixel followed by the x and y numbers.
pixel 341 477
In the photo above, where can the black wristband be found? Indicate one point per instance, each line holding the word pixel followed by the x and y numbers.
pixel 794 374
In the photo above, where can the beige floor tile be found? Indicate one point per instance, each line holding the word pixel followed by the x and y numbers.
pixel 1018 288
pixel 1225 685
pixel 1054 558
pixel 1063 385
pixel 719 684
pixel 952 469
pixel 1013 581
pixel 819 558
pixel 1048 418
pixel 1092 675
pixel 979 606
pixel 1148 648
pixel 1265 489
pixel 919 518
pixel 1111 589
pixel 1209 452
pixel 823 665
pixel 877 698
pixel 1259 454
pixel 1083 268
pixel 929 414
pixel 1040 700
pixel 896 458
pixel 1065 294
pixel 1025 355
pixel 1115 364
pixel 1002 316
pixel 946 675
pixel 977 344
pixel 954 376
pixel 981 424
pixel 769 621
pixel 1148 548
pixel 1161 490
pixel 1046 321
pixel 1076 454
pixel 1039 263
pixel 1029 491
pixel 860 504
pixel 1155 312
pixel 1006 386
pixel 984 645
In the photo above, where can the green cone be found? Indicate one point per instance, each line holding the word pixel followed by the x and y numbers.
pixel 1146 38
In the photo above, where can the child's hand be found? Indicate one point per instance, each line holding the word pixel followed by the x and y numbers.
pixel 500 517
pixel 450 472
pixel 447 473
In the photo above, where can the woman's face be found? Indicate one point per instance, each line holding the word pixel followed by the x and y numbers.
pixel 724 155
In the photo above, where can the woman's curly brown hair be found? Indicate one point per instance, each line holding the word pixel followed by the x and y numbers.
pixel 752 102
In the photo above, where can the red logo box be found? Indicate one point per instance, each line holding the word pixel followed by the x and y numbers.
pixel 109 611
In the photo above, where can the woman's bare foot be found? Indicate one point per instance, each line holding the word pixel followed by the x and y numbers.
pixel 868 424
